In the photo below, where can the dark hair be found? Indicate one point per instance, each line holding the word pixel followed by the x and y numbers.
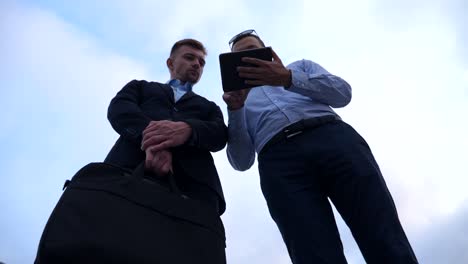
pixel 188 42
pixel 250 35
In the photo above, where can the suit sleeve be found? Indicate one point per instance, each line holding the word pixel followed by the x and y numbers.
pixel 210 134
pixel 125 115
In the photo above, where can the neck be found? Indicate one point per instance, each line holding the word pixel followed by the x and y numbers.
pixel 180 81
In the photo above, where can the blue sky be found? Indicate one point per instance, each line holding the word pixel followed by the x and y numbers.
pixel 63 61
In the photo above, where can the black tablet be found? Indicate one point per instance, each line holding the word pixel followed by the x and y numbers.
pixel 229 62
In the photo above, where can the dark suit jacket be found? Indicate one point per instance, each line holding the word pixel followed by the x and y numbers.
pixel 140 102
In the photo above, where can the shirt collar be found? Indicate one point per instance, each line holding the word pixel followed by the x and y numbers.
pixel 178 85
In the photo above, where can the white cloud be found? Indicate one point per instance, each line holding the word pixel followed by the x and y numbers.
pixel 154 26
pixel 56 84
pixel 252 236
pixel 447 243
pixel 396 15
pixel 409 100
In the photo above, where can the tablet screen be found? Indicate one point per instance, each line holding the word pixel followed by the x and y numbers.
pixel 229 62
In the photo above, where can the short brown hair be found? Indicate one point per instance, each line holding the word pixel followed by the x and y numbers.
pixel 188 42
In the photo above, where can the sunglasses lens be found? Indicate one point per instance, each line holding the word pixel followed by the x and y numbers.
pixel 242 34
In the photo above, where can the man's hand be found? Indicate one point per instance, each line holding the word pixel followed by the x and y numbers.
pixel 235 99
pixel 161 135
pixel 159 163
pixel 266 72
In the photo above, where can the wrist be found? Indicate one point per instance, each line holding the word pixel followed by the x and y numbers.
pixel 235 108
pixel 185 126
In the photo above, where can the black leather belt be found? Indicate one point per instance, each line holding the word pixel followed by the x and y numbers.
pixel 297 128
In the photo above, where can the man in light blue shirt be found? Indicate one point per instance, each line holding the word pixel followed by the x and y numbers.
pixel 307 155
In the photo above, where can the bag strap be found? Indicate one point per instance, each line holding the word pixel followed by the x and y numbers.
pixel 141 173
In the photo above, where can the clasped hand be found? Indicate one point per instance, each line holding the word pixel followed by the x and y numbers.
pixel 158 138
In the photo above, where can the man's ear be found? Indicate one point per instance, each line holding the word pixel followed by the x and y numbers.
pixel 169 64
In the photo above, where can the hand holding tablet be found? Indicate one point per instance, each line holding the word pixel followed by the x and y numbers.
pixel 229 63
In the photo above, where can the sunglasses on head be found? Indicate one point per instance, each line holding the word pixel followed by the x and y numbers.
pixel 248 32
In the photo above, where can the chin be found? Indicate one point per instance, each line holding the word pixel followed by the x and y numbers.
pixel 193 80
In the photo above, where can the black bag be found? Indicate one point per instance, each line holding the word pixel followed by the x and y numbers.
pixel 110 215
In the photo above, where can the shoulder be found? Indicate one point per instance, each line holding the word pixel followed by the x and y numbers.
pixel 301 64
pixel 307 66
pixel 205 100
pixel 145 82
pixel 137 82
pixel 145 89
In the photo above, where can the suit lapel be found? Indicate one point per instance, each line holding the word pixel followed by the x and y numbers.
pixel 187 96
pixel 168 91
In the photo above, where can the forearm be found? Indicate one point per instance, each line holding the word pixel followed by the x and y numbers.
pixel 240 149
pixel 125 115
pixel 208 134
pixel 211 136
pixel 130 128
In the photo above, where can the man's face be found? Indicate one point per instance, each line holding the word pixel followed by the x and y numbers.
pixel 186 64
pixel 247 43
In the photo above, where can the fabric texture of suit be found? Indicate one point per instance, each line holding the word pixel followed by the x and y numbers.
pixel 140 102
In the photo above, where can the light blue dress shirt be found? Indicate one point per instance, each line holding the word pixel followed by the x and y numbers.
pixel 267 109
pixel 179 88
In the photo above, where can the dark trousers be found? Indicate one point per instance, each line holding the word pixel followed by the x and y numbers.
pixel 298 175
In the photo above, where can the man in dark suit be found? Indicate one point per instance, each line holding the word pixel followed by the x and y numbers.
pixel 171 128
